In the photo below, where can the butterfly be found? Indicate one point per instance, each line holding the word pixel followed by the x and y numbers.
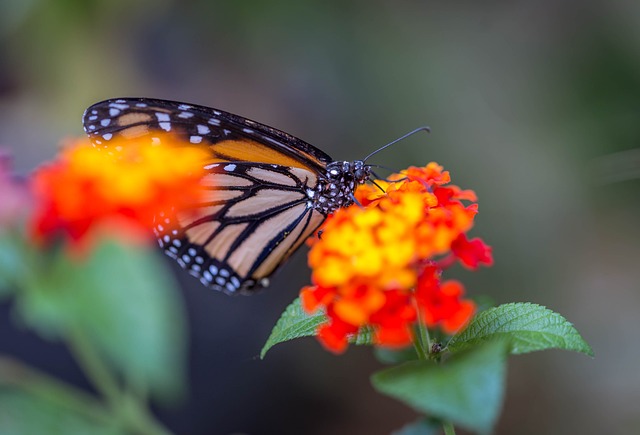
pixel 267 191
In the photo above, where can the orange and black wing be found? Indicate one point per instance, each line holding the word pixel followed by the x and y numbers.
pixel 259 185
pixel 228 137
pixel 254 216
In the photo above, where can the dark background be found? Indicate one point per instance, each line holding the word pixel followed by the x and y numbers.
pixel 534 105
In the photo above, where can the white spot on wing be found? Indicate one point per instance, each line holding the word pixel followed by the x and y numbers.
pixel 166 126
pixel 105 122
pixel 270 140
pixel 114 112
pixel 195 139
pixel 214 121
pixel 162 117
pixel 203 129
pixel 185 115
pixel 107 136
pixel 230 167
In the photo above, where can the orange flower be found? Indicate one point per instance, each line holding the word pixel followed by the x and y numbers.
pixel 369 266
pixel 86 188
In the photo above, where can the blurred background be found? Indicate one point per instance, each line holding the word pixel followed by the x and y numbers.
pixel 534 105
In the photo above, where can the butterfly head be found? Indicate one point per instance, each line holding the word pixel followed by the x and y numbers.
pixel 336 189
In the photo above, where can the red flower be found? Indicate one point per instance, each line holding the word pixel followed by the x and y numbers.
pixel 441 303
pixel 375 266
pixel 472 253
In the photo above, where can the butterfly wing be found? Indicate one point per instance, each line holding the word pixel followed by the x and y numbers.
pixel 254 216
pixel 228 137
pixel 257 210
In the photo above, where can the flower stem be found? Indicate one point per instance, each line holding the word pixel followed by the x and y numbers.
pixel 417 345
pixel 94 367
pixel 127 408
pixel 448 428
pixel 423 334
pixel 16 374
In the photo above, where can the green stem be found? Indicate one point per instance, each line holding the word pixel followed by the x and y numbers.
pixel 448 428
pixel 417 345
pixel 14 373
pixel 144 423
pixel 129 410
pixel 423 333
pixel 94 367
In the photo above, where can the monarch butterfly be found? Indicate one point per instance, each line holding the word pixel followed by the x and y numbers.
pixel 269 190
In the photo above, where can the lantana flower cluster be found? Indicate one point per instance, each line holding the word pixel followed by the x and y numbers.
pixel 119 190
pixel 379 264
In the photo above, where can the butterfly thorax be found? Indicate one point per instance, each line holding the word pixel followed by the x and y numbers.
pixel 336 189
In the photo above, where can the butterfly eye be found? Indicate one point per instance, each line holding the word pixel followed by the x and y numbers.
pixel 361 172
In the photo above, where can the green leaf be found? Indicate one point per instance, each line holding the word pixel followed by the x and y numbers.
pixel 24 414
pixel 422 426
pixel 124 302
pixel 467 390
pixel 528 327
pixel 364 337
pixel 293 323
pixel 296 323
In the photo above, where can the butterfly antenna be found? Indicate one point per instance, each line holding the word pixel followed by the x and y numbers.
pixel 355 201
pixel 376 184
pixel 384 167
pixel 387 179
pixel 411 133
